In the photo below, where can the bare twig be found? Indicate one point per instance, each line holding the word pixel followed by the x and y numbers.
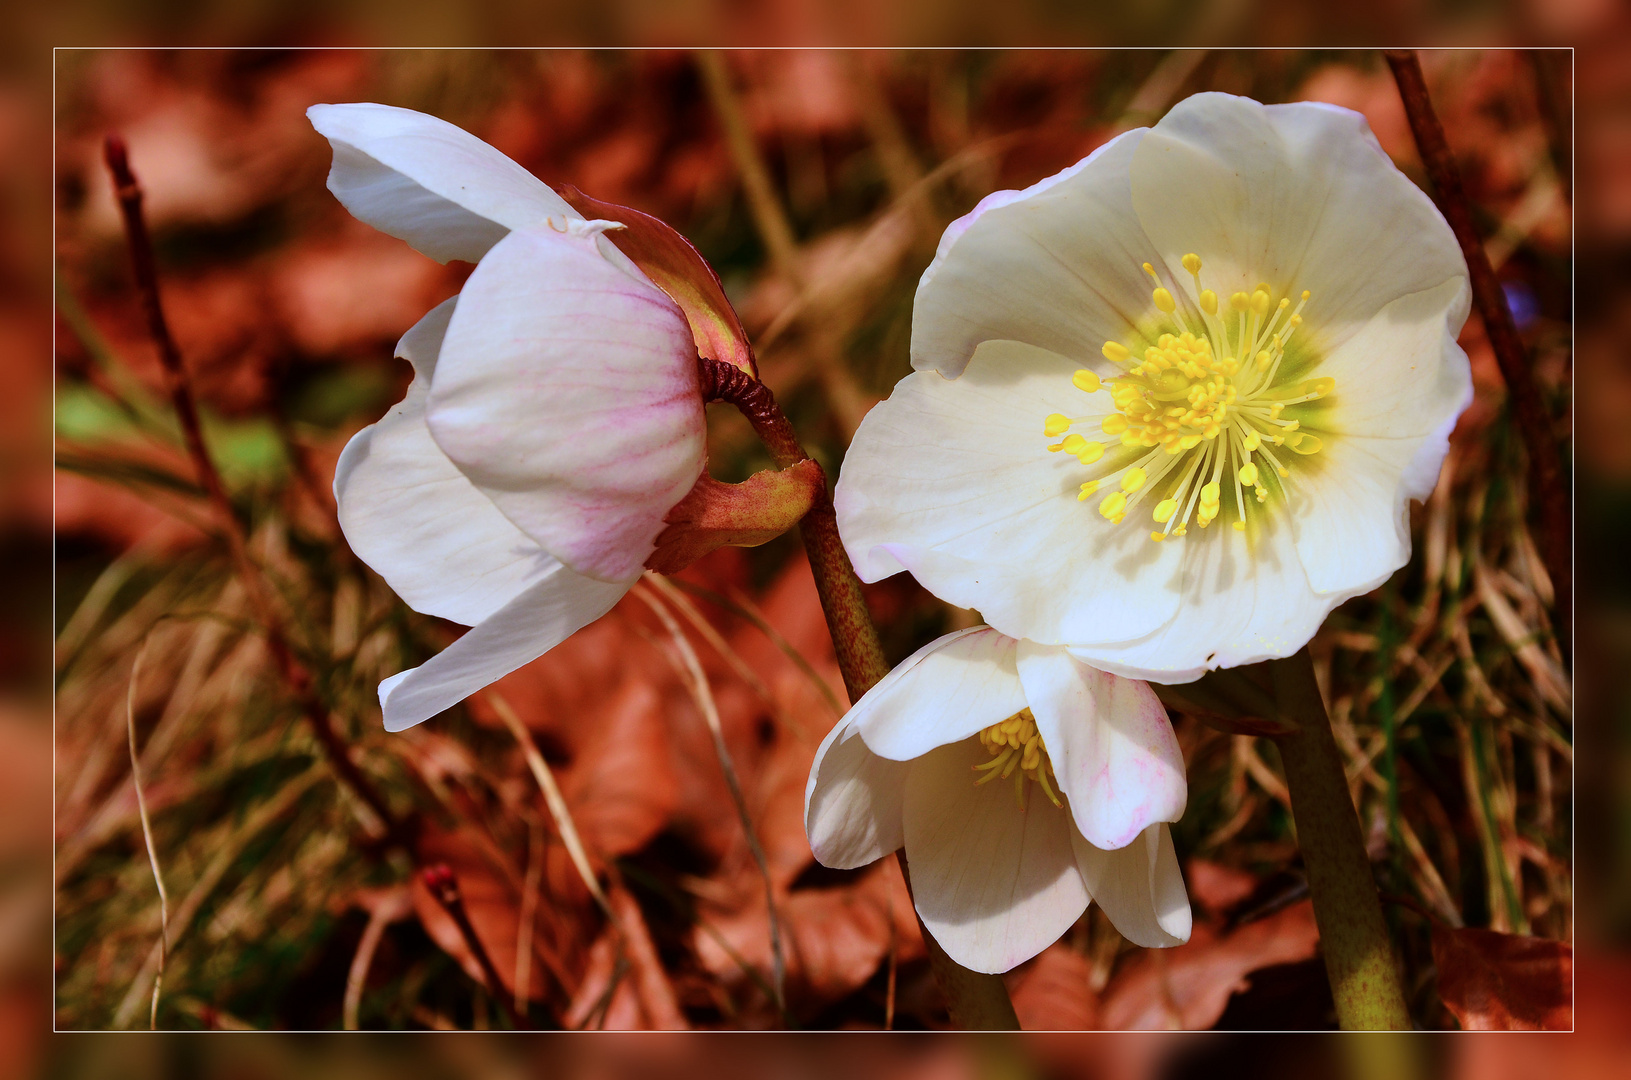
pixel 528 912
pixel 697 682
pixel 144 267
pixel 385 910
pixel 444 886
pixel 147 835
pixel 1547 483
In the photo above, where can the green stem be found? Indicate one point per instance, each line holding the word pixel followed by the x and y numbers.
pixel 976 1001
pixel 1353 934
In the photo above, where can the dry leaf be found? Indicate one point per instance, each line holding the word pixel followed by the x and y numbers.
pixel 1504 982
pixel 1052 993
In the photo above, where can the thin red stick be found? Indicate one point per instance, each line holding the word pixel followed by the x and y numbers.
pixel 444 886
pixel 1548 485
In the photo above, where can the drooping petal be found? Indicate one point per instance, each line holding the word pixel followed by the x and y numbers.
pixel 425 181
pixel 1243 598
pixel 852 803
pixel 1055 265
pixel 1300 196
pixel 531 624
pixel 1139 887
pixel 1402 382
pixel 952 480
pixel 943 693
pixel 994 884
pixel 1112 746
pixel 567 391
pixel 412 516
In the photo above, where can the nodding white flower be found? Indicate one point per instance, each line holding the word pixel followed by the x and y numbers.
pixel 1022 783
pixel 1171 404
pixel 554 417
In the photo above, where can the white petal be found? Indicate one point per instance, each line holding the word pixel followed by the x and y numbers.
pixel 1055 265
pixel 412 516
pixel 425 181
pixel 852 803
pixel 567 391
pixel 1401 383
pixel 1300 196
pixel 528 626
pixel 1244 598
pixel 943 693
pixel 952 480
pixel 994 884
pixel 1112 746
pixel 1139 887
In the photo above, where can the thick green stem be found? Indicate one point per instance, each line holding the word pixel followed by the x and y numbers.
pixel 976 1001
pixel 1353 934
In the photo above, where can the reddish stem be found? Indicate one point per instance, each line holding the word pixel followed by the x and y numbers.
pixel 444 886
pixel 1547 484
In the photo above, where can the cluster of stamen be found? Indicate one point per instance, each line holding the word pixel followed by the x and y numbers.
pixel 1016 750
pixel 1205 402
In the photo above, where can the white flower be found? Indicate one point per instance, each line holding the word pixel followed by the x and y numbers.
pixel 1022 784
pixel 553 420
pixel 1233 333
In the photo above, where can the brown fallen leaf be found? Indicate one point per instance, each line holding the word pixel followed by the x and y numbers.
pixel 1504 982
pixel 1189 986
pixel 1052 993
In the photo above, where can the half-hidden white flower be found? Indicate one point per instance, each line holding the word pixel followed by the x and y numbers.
pixel 1170 405
pixel 1022 784
pixel 553 420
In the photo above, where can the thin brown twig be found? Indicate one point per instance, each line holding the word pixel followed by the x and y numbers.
pixel 145 269
pixel 1547 482
pixel 444 886
pixel 697 683
pixel 147 835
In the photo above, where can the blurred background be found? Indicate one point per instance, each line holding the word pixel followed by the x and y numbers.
pixel 1450 694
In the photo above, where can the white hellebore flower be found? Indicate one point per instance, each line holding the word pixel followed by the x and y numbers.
pixel 553 420
pixel 1022 783
pixel 1232 334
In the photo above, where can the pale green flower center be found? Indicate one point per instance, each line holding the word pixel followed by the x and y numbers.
pixel 1200 409
pixel 1016 750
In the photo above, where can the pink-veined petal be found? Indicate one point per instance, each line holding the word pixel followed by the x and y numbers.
pixel 1113 748
pixel 1139 887
pixel 567 391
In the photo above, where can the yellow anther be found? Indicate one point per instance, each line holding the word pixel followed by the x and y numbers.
pixel 1260 301
pixel 1209 301
pixel 1089 453
pixel 1240 301
pixel 1165 509
pixel 1291 425
pixel 1192 263
pixel 1319 387
pixel 1114 505
pixel 1150 270
pixel 1115 352
pixel 1209 494
pixel 1248 473
pixel 1087 490
pixel 1086 381
pixel 1263 360
pixel 1163 300
pixel 1306 294
pixel 1073 444
pixel 1180 530
pixel 1308 444
pixel 1114 424
pixel 1158 536
pixel 1253 441
pixel 1055 424
pixel 1133 479
pixel 1240 526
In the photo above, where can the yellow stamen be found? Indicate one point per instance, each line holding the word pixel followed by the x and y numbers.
pixel 1133 480
pixel 1087 381
pixel 1248 473
pixel 1163 301
pixel 1017 750
pixel 1089 453
pixel 1116 352
pixel 1055 424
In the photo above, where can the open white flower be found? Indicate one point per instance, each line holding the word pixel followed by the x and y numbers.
pixel 553 421
pixel 1022 783
pixel 1171 404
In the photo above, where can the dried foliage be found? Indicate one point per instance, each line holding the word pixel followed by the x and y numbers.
pixel 289 906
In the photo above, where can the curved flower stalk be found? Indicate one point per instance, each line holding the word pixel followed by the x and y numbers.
pixel 1171 404
pixel 555 419
pixel 1022 783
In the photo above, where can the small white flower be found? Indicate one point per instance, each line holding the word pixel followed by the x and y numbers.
pixel 554 417
pixel 1171 404
pixel 1022 783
